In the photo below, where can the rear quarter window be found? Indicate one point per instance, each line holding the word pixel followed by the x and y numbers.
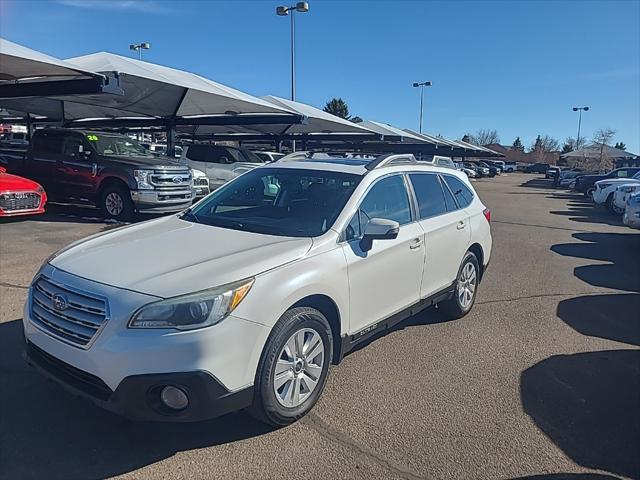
pixel 462 193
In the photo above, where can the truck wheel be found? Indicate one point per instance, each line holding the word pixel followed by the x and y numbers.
pixel 115 202
pixel 466 288
pixel 589 192
pixel 294 367
pixel 612 206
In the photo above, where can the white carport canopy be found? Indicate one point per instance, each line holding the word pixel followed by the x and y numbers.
pixel 597 151
pixel 393 133
pixel 151 92
pixel 27 73
pixel 316 121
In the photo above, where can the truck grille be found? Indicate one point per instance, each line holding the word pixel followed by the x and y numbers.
pixel 69 315
pixel 177 180
pixel 11 202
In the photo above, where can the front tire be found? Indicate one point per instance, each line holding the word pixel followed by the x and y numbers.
pixel 466 288
pixel 294 367
pixel 115 202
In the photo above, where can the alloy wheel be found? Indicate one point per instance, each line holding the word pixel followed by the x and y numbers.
pixel 298 367
pixel 114 204
pixel 467 285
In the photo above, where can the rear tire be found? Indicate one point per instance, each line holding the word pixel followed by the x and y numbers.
pixel 612 206
pixel 115 202
pixel 293 368
pixel 589 192
pixel 466 288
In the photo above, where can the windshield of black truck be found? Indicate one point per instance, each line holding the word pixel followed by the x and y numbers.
pixel 278 201
pixel 117 145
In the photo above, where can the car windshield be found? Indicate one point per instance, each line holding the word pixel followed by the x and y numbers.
pixel 278 201
pixel 117 145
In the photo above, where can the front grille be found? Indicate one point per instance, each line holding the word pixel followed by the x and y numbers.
pixel 169 179
pixel 11 202
pixel 65 313
pixel 83 381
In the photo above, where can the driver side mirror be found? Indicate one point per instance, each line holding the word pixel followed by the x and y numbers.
pixel 378 229
pixel 225 160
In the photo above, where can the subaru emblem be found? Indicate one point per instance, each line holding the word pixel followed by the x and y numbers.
pixel 60 302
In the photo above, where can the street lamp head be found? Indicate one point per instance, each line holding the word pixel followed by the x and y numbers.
pixel 282 11
pixel 575 109
pixel 416 84
pixel 427 84
pixel 145 45
pixel 586 109
pixel 302 7
pixel 133 47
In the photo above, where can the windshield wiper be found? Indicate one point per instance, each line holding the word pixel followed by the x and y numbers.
pixel 189 215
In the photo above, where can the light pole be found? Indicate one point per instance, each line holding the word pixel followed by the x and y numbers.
pixel 301 7
pixel 579 109
pixel 421 85
pixel 139 47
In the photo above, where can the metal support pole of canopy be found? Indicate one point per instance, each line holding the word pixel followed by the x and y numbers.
pixel 171 137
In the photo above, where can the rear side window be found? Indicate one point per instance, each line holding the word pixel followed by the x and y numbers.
pixel 48 142
pixel 199 153
pixel 462 193
pixel 431 199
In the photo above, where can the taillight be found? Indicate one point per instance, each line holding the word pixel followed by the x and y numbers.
pixel 487 214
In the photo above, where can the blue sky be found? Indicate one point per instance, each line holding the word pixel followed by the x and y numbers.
pixel 515 66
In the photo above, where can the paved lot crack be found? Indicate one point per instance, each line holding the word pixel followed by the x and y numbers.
pixel 544 295
pixel 323 428
pixel 13 285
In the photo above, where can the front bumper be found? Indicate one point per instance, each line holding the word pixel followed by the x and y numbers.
pixel 138 396
pixel 136 361
pixel 162 201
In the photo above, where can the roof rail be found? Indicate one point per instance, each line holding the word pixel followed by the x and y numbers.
pixel 391 159
pixel 303 155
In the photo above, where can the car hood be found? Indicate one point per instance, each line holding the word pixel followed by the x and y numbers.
pixel 147 162
pixel 169 256
pixel 617 181
pixel 12 183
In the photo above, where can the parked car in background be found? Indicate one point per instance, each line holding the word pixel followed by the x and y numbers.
pixel 569 176
pixel 510 167
pixel 605 190
pixel 279 273
pixel 631 216
pixel 220 163
pixel 14 139
pixel 586 183
pixel 622 194
pixel 161 149
pixel 536 168
pixel 551 172
pixel 499 164
pixel 470 173
pixel 200 184
pixel 20 196
pixel 110 170
pixel 480 171
pixel 268 156
pixel 493 171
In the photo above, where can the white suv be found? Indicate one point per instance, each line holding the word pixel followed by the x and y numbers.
pixel 244 300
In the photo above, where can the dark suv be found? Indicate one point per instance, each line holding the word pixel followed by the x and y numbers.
pixel 110 170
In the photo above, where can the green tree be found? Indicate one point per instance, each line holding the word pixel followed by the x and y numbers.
pixel 337 107
pixel 620 146
pixel 466 138
pixel 517 145
pixel 356 119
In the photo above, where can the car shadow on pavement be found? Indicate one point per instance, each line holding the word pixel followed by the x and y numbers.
pixel 538 183
pixel 587 404
pixel 614 317
pixel 47 433
pixel 619 250
pixel 589 213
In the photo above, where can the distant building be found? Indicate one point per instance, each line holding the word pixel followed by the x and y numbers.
pixel 511 155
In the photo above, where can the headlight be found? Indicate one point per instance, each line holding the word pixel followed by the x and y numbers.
pixel 604 185
pixel 40 190
pixel 142 178
pixel 195 310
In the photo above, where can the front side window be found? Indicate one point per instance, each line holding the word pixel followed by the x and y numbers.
pixel 48 142
pixel 387 199
pixel 462 193
pixel 431 200
pixel 278 201
pixel 199 153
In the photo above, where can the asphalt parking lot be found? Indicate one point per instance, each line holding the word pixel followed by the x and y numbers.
pixel 541 379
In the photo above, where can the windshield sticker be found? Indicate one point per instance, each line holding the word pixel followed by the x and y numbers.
pixel 92 138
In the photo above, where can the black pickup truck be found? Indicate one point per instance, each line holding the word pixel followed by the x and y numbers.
pixel 586 183
pixel 110 170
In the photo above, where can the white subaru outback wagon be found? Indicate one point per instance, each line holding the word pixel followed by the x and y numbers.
pixel 244 300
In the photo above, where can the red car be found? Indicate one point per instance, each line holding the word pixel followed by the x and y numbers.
pixel 20 196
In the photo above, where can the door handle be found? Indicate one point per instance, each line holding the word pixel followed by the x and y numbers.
pixel 461 225
pixel 94 169
pixel 417 243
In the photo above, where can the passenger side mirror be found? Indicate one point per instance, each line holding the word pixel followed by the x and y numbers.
pixel 225 160
pixel 378 229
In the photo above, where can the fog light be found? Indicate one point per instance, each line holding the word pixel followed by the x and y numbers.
pixel 174 398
